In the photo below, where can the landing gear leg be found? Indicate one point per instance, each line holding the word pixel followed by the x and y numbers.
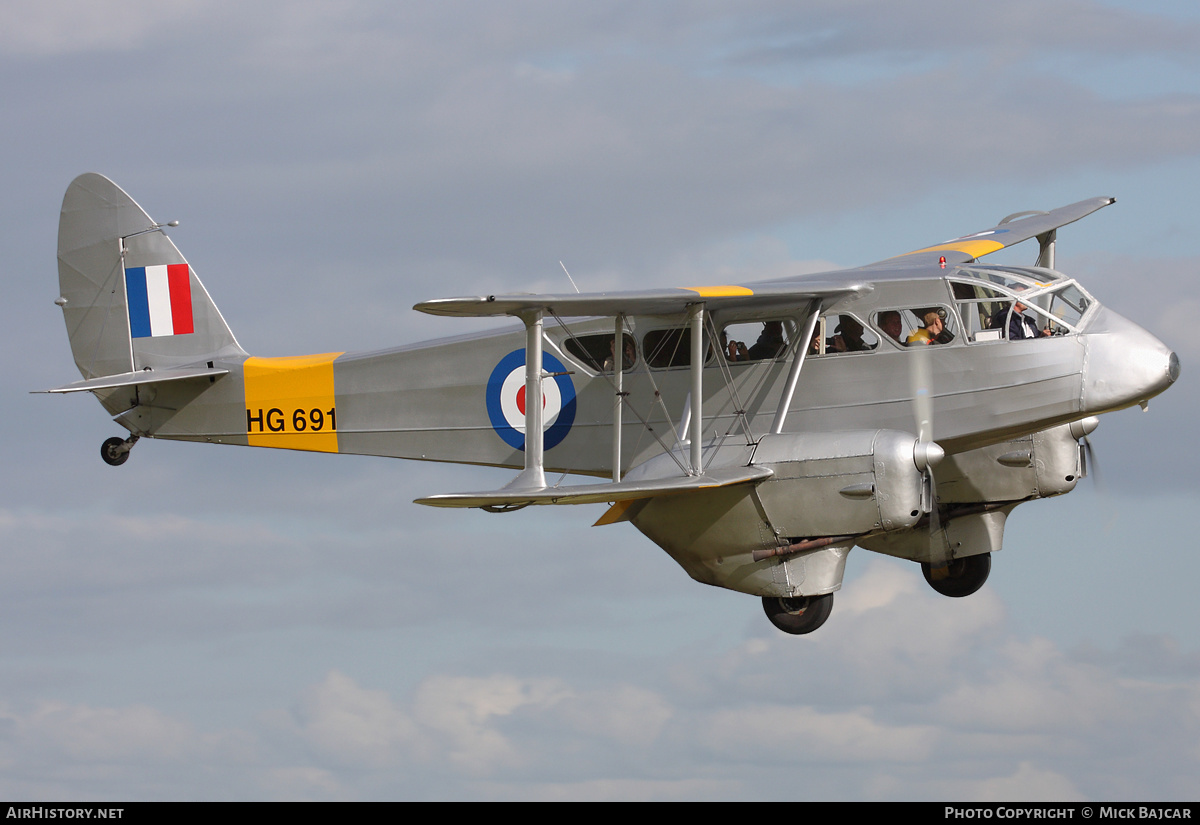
pixel 800 614
pixel 960 577
pixel 115 451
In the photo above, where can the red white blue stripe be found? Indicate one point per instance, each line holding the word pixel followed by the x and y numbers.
pixel 160 300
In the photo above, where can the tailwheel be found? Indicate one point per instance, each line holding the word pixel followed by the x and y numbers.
pixel 960 577
pixel 800 614
pixel 115 451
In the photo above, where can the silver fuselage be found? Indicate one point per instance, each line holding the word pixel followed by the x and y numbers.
pixel 428 401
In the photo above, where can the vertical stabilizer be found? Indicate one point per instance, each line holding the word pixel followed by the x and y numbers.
pixel 132 300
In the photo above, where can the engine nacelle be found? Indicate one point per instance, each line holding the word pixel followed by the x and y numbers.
pixel 836 484
pixel 1036 466
pixel 825 485
pixel 971 484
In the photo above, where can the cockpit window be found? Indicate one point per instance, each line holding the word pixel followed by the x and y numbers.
pixel 1011 277
pixel 1068 304
pixel 978 305
pixel 987 297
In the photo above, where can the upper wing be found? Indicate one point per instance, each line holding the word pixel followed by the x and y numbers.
pixel 1006 233
pixel 650 302
pixel 826 287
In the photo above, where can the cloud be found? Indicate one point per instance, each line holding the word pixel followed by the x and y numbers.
pixel 1000 717
pixel 68 26
pixel 355 725
pixel 1027 783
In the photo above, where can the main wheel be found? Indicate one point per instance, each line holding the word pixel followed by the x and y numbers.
pixel 798 615
pixel 114 452
pixel 963 576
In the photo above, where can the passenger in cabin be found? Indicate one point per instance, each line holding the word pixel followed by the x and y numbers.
pixel 770 343
pixel 934 331
pixel 889 321
pixel 734 350
pixel 630 356
pixel 848 337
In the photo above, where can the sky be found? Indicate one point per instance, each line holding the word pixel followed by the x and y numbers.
pixel 211 623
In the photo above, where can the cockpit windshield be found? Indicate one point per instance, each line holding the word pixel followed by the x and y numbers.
pixel 998 302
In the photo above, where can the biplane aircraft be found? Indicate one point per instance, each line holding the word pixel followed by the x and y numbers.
pixel 756 432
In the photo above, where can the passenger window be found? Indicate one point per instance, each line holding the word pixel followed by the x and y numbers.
pixel 918 326
pixel 596 351
pixel 670 348
pixel 844 333
pixel 757 341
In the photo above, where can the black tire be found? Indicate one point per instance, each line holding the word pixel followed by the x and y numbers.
pixel 799 615
pixel 112 454
pixel 966 575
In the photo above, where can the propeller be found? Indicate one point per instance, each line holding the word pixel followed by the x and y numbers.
pixel 927 455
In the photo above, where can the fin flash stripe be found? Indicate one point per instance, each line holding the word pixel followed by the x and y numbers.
pixel 290 402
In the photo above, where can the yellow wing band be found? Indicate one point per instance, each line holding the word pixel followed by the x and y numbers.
pixel 976 248
pixel 719 291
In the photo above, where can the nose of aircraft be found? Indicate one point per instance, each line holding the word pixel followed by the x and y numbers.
pixel 1125 364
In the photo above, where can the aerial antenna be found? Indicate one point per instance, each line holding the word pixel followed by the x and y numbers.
pixel 569 278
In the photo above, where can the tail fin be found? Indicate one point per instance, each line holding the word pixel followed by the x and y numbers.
pixel 129 298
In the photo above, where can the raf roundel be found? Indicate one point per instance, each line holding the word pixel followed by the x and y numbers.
pixel 506 400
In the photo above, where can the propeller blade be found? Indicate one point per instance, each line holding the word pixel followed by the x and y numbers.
pixel 1088 465
pixel 926 455
pixel 939 550
pixel 1091 465
pixel 921 378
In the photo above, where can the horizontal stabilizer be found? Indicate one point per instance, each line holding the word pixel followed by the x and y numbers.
pixel 601 493
pixel 141 377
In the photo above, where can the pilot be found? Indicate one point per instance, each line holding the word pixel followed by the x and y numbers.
pixel 889 321
pixel 1019 326
pixel 770 343
pixel 934 331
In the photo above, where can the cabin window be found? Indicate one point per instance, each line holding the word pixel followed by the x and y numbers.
pixel 841 333
pixel 917 326
pixel 758 340
pixel 670 348
pixel 596 351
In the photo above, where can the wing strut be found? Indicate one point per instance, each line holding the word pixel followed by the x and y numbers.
pixel 789 390
pixel 619 388
pixel 533 477
pixel 696 311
